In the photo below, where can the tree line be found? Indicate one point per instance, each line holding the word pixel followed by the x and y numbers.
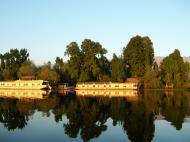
pixel 87 62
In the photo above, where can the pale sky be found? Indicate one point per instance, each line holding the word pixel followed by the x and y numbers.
pixel 45 27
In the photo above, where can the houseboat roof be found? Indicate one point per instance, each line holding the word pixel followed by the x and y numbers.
pixel 104 82
pixel 9 81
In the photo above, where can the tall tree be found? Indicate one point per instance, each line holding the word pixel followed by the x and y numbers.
pixel 87 63
pixel 1 66
pixel 117 69
pixel 139 55
pixel 59 67
pixel 105 67
pixel 92 53
pixel 75 61
pixel 174 71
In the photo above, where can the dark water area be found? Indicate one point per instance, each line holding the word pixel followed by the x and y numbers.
pixel 150 116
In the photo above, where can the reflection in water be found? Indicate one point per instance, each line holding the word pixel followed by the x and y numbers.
pixel 87 116
pixel 175 109
pixel 23 94
pixel 110 93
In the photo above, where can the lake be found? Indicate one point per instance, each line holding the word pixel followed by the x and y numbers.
pixel 155 116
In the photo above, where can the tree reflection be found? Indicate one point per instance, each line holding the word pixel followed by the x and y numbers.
pixel 10 115
pixel 86 116
pixel 175 108
pixel 139 123
pixel 14 113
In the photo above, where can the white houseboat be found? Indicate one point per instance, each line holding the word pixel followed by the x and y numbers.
pixel 25 84
pixel 107 86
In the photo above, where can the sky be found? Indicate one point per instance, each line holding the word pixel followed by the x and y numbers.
pixel 46 27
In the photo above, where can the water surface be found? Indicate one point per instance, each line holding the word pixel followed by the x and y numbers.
pixel 143 117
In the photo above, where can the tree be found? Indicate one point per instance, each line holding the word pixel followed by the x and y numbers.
pixel 93 55
pixel 1 66
pixel 139 55
pixel 174 71
pixel 75 61
pixel 117 69
pixel 59 67
pixel 151 80
pixel 87 63
pixel 6 74
pixel 27 69
pixel 47 73
pixel 11 62
pixel 188 72
pixel 155 67
pixel 105 67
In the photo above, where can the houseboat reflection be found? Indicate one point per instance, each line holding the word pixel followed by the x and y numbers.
pixel 23 94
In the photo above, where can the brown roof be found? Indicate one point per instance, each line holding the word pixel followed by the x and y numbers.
pixel 132 80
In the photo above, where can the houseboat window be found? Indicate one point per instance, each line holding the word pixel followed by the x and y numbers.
pixel 104 85
pixel 25 84
pixel 109 85
pixel 116 85
pixel 135 85
pixel 93 85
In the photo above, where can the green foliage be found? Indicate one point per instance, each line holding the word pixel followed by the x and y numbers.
pixel 117 67
pixel 74 64
pixel 92 53
pixel 47 73
pixel 87 63
pixel 151 79
pixel 139 54
pixel 6 74
pixel 60 68
pixel 11 62
pixel 174 71
pixel 27 69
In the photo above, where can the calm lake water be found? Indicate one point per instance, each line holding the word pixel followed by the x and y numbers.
pixel 143 117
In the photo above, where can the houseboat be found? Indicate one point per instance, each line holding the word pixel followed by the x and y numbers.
pixel 107 86
pixel 129 84
pixel 25 84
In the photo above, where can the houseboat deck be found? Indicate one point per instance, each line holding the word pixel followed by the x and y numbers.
pixel 25 84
